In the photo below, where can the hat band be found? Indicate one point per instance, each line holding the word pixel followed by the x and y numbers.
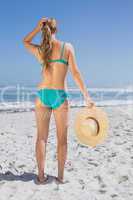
pixel 98 127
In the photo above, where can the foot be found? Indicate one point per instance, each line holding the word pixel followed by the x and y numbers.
pixel 60 180
pixel 42 180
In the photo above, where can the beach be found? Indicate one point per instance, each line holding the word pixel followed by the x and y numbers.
pixel 101 173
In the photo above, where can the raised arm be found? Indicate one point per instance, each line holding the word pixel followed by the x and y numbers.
pixel 27 41
pixel 77 75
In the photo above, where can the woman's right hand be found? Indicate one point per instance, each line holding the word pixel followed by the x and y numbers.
pixel 40 23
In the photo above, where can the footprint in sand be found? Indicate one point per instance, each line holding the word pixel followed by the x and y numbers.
pixel 114 195
pixel 102 191
pixel 101 183
pixel 123 179
pixel 82 183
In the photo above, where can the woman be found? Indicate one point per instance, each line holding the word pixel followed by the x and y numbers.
pixel 56 58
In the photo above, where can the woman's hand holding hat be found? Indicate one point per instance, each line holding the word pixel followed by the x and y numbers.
pixel 89 102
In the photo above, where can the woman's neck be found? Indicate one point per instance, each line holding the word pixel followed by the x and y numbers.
pixel 54 38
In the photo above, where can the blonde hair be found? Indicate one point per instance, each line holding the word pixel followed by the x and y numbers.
pixel 49 27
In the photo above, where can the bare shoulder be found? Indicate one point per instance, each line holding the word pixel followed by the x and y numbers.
pixel 70 47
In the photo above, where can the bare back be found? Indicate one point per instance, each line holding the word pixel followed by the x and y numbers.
pixel 55 75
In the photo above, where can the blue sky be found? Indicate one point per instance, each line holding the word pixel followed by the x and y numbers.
pixel 100 30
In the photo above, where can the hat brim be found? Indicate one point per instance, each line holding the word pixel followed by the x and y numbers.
pixel 81 131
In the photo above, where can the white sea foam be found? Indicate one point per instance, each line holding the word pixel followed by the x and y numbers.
pixel 126 89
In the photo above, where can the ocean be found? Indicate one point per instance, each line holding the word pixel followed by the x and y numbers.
pixel 21 98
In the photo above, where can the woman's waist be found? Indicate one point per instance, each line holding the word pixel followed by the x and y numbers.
pixel 43 85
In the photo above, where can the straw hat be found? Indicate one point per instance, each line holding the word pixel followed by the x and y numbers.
pixel 91 125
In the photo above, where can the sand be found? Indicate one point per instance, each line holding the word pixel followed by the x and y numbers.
pixel 101 173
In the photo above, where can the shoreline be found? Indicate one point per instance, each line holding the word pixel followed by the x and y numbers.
pixel 20 109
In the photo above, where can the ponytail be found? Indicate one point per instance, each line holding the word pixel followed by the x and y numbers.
pixel 46 42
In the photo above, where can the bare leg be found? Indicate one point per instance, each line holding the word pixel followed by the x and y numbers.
pixel 61 119
pixel 42 114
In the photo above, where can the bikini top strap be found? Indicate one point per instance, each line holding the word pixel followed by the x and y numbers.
pixel 62 50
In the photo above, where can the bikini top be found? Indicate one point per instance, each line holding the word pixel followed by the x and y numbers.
pixel 61 60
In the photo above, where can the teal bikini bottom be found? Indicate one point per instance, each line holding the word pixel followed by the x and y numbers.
pixel 52 98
